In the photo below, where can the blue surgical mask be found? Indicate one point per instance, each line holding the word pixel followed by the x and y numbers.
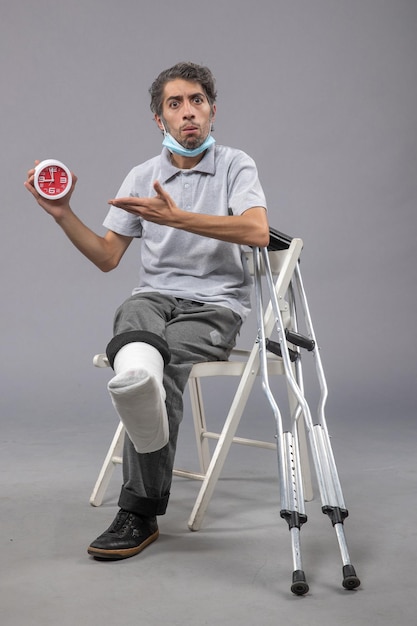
pixel 173 145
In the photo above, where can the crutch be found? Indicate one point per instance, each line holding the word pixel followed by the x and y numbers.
pixel 332 500
pixel 292 500
pixel 289 471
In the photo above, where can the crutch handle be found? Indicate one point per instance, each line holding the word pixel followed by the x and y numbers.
pixel 300 340
pixel 275 348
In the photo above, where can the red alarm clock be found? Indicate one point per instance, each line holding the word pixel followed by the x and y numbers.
pixel 53 179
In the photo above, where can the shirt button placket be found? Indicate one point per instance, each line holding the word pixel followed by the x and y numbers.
pixel 187 193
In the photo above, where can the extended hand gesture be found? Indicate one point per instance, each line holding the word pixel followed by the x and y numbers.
pixel 161 209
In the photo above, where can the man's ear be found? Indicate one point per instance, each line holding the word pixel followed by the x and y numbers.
pixel 213 112
pixel 159 122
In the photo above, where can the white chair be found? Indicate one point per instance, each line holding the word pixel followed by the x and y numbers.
pixel 242 364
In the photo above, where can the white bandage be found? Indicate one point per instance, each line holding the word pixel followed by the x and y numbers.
pixel 138 395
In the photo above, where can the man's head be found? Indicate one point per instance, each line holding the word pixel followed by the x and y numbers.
pixel 186 71
pixel 183 100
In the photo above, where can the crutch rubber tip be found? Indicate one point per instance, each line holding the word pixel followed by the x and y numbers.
pixel 299 585
pixel 350 580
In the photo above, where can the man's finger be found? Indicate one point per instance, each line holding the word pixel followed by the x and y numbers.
pixel 159 189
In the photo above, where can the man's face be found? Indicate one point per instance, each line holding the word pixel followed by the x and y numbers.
pixel 186 113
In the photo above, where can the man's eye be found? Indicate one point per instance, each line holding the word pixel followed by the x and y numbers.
pixel 174 104
pixel 198 100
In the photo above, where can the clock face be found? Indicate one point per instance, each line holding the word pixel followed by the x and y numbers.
pixel 52 179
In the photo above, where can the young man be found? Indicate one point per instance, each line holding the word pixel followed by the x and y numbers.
pixel 194 206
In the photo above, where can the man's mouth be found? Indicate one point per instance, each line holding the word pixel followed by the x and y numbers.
pixel 189 129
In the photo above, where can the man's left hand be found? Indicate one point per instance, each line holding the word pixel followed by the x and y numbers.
pixel 161 209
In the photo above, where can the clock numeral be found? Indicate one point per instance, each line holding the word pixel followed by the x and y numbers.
pixel 41 179
pixel 63 180
pixel 52 190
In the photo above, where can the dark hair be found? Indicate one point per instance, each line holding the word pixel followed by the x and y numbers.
pixel 187 71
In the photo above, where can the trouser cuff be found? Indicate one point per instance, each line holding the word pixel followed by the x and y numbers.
pixel 149 507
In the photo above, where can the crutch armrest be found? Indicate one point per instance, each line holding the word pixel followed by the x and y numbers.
pixel 278 240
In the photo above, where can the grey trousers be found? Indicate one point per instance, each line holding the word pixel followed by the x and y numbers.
pixel 194 332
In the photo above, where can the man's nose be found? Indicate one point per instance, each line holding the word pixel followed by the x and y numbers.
pixel 187 111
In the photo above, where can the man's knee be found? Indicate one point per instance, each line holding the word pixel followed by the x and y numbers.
pixel 135 336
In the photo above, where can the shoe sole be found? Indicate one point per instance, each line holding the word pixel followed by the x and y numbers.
pixel 116 555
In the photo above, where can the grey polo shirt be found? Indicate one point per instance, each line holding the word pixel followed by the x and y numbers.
pixel 182 264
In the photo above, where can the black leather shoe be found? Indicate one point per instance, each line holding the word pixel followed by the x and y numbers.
pixel 128 535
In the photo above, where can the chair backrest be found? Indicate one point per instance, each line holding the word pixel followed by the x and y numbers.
pixel 278 259
pixel 282 264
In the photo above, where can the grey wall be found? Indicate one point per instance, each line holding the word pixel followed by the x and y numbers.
pixel 322 93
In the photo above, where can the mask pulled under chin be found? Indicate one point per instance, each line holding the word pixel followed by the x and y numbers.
pixel 173 146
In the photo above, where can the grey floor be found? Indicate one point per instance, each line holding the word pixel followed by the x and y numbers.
pixel 237 568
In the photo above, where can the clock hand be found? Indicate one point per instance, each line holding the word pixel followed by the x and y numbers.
pixel 51 173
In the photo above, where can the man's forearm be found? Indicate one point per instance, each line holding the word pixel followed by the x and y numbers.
pixel 101 251
pixel 249 229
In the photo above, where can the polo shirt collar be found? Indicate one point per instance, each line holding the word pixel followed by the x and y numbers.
pixel 205 166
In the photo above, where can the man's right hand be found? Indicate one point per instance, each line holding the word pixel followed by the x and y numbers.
pixel 56 208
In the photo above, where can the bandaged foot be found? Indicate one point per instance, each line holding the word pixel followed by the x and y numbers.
pixel 138 395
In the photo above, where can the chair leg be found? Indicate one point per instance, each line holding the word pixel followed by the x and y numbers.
pixel 113 457
pixel 225 441
pixel 200 425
